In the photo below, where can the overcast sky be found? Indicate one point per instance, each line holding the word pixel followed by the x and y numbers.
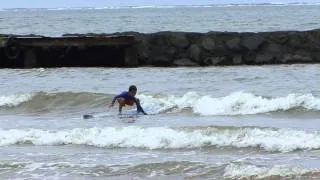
pixel 107 3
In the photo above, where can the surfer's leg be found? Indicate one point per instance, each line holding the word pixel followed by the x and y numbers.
pixel 122 103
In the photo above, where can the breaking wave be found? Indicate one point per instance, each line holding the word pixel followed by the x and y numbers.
pixel 193 170
pixel 238 103
pixel 14 100
pixel 237 171
pixel 271 140
pixel 52 101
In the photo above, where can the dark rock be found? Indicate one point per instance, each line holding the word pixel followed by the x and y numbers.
pixel 30 59
pixel 264 58
pixel 279 37
pixel 294 43
pixel 160 49
pixel 215 60
pixel 184 62
pixel 237 60
pixel 161 61
pixel 276 51
pixel 300 56
pixel 179 40
pixel 252 42
pixel 160 53
pixel 195 53
pixel 317 56
pixel 208 44
pixel 234 44
pixel 274 48
pixel 2 43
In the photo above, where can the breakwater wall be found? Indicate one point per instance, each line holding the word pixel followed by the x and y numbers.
pixel 165 49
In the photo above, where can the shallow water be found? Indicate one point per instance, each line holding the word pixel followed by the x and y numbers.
pixel 204 123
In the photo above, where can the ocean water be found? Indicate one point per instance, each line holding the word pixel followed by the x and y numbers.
pixel 239 18
pixel 242 122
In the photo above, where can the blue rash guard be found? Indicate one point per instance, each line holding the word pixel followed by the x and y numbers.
pixel 127 97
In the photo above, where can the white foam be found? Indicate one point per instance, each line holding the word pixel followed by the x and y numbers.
pixel 160 104
pixel 234 171
pixel 238 103
pixel 14 100
pixel 246 103
pixel 283 140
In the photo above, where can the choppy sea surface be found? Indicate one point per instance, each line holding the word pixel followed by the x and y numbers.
pixel 242 122
pixel 147 19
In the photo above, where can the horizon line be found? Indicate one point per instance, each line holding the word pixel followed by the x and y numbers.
pixel 164 6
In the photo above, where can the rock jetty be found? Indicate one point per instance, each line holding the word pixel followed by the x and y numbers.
pixel 162 49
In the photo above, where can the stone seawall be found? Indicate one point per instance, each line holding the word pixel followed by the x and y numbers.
pixel 227 48
pixel 166 49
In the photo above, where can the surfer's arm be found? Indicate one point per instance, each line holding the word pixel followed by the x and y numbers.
pixel 120 109
pixel 139 108
pixel 114 99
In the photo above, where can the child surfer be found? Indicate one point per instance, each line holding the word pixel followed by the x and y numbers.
pixel 128 98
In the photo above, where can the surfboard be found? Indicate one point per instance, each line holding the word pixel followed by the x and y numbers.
pixel 87 116
pixel 96 115
pixel 129 115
